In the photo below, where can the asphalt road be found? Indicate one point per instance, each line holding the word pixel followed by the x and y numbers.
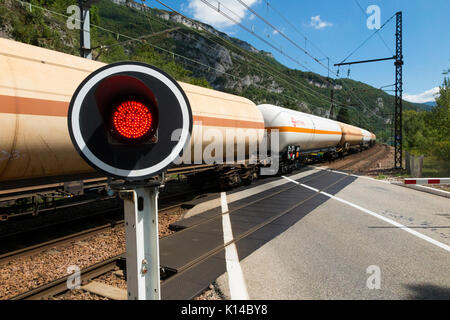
pixel 342 251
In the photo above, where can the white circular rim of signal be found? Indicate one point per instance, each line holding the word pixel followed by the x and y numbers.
pixel 106 167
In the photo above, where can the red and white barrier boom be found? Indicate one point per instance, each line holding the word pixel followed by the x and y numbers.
pixel 419 181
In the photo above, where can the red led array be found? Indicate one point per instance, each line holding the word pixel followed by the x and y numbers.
pixel 132 119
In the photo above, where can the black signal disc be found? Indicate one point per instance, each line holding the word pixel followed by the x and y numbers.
pixel 89 127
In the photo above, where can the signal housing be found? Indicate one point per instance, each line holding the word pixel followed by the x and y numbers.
pixel 122 120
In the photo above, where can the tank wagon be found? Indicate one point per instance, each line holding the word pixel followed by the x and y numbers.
pixel 302 134
pixel 36 86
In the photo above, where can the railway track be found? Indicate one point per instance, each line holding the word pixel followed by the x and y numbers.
pixel 383 153
pixel 18 240
pixel 191 265
pixel 58 286
pixel 28 251
pixel 366 159
pixel 260 199
pixel 61 241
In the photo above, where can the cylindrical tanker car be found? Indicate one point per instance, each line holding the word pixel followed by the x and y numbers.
pixel 302 133
pixel 36 86
pixel 301 129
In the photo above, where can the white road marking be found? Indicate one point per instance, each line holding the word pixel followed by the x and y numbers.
pixel 223 199
pixel 352 175
pixel 376 215
pixel 434 189
pixel 383 181
pixel 236 282
pixel 303 185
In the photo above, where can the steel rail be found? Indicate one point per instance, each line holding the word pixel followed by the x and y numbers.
pixel 193 263
pixel 60 285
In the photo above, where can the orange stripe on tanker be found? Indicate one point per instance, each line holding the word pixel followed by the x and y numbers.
pixel 21 105
pixel 219 122
pixel 302 130
pixel 38 107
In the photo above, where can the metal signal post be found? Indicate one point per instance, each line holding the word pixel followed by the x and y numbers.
pixel 121 121
pixel 85 32
pixel 398 138
pixel 142 241
pixel 398 135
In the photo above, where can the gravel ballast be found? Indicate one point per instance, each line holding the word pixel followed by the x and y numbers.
pixel 23 274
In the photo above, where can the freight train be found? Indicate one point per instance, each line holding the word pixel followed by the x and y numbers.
pixel 36 86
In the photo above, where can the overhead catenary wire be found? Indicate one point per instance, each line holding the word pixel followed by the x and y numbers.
pixel 235 77
pixel 130 39
pixel 306 39
pixel 245 28
pixel 280 32
pixel 296 29
pixel 122 43
pixel 265 41
pixel 315 93
pixel 379 34
pixel 288 81
pixel 154 46
pixel 271 25
pixel 367 40
pixel 252 32
pixel 291 41
pixel 215 69
pixel 261 70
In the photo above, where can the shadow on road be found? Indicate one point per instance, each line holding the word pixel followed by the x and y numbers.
pixel 428 292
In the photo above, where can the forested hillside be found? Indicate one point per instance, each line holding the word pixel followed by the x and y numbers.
pixel 198 54
pixel 428 133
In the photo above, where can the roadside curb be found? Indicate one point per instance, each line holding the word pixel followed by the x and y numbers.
pixel 436 192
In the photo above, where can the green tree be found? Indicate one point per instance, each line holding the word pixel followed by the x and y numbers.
pixel 343 115
pixel 416 135
pixel 440 120
pixel 429 132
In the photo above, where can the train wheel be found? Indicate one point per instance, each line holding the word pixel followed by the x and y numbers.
pixel 195 182
pixel 248 181
pixel 256 174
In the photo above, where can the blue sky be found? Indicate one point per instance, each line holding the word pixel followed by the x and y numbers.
pixel 336 28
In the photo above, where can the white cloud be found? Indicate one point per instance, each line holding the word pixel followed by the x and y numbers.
pixel 317 23
pixel 426 96
pixel 206 14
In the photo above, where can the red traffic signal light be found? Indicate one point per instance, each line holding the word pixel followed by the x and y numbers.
pixel 122 118
pixel 129 109
pixel 132 120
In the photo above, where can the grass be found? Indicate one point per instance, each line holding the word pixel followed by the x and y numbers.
pixel 435 168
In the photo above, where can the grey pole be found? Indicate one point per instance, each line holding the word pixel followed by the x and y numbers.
pixel 142 242
pixel 85 31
